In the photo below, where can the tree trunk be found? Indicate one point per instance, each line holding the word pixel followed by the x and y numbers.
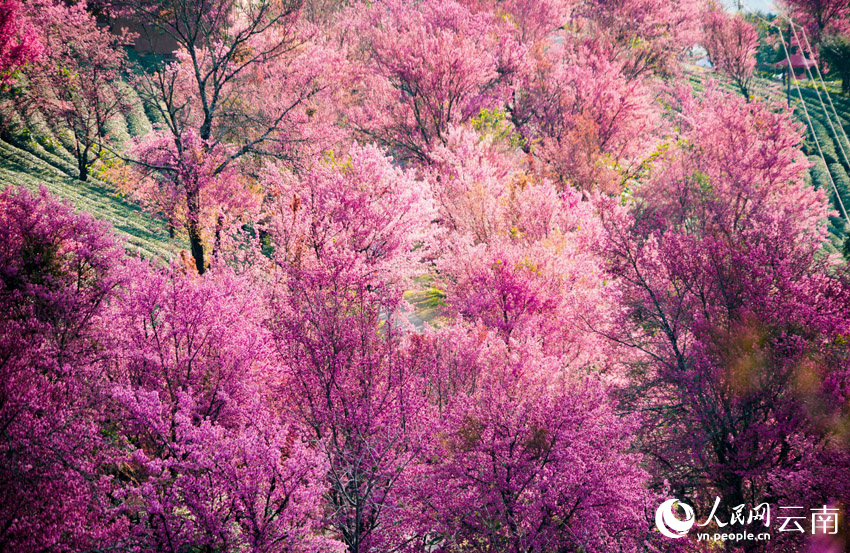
pixel 788 88
pixel 745 91
pixel 194 230
pixel 83 165
pixel 196 246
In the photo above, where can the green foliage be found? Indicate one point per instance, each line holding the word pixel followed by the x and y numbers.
pixel 704 183
pixel 138 123
pixel 495 124
pixel 825 140
pixel 836 52
pixel 341 164
pixel 842 182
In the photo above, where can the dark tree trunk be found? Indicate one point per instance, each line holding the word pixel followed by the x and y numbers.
pixel 745 91
pixel 194 230
pixel 197 247
pixel 83 165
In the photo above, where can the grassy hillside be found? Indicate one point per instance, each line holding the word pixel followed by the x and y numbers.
pixel 35 156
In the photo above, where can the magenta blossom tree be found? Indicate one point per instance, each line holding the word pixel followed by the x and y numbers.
pixel 194 185
pixel 587 120
pixel 733 306
pixel 344 236
pixel 518 380
pixel 210 460
pixel 535 466
pixel 19 44
pixel 819 16
pixel 76 83
pixel 513 252
pixel 425 67
pixel 731 43
pixel 532 20
pixel 645 36
pixel 528 454
pixel 57 271
pixel 245 79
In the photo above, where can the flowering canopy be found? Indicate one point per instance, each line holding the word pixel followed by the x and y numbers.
pixel 465 276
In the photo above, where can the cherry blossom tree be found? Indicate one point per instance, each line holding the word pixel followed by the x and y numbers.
pixel 192 185
pixel 77 80
pixel 512 252
pixel 211 463
pixel 733 306
pixel 428 66
pixel 245 79
pixel 355 218
pixel 18 42
pixel 819 16
pixel 731 43
pixel 516 377
pixel 590 123
pixel 533 460
pixel 471 180
pixel 533 21
pixel 344 235
pixel 57 270
pixel 644 36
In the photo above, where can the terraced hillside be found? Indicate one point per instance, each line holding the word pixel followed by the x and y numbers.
pixel 833 162
pixel 36 156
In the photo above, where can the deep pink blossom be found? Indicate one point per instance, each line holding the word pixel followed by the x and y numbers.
pixel 18 41
pixel 736 309
pixel 57 270
pixel 76 82
pixel 591 124
pixel 210 461
pixel 731 43
pixel 428 66
pixel 819 16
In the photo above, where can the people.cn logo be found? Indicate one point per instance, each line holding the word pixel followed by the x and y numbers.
pixel 670 525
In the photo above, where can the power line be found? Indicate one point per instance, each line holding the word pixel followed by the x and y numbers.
pixel 828 97
pixel 820 99
pixel 806 111
pixel 811 125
